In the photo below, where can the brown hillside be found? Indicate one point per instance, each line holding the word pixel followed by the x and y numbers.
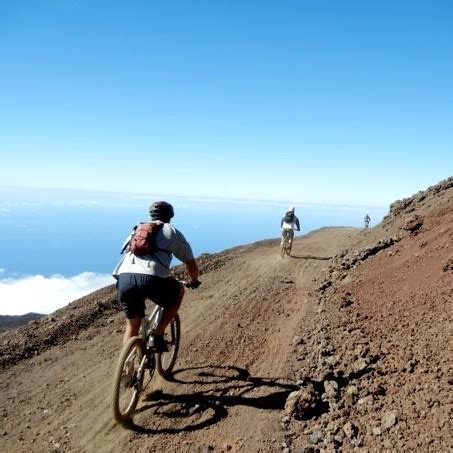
pixel 378 354
pixel 359 344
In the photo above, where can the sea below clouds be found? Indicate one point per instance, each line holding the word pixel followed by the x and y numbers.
pixel 57 247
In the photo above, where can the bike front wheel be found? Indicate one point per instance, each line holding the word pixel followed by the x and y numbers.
pixel 128 379
pixel 166 360
pixel 283 248
pixel 289 246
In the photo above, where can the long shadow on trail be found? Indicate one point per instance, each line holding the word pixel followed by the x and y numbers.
pixel 311 257
pixel 222 387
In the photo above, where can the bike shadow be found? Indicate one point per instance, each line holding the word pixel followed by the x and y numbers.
pixel 311 257
pixel 218 388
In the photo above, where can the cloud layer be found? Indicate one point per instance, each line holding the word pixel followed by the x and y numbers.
pixel 46 294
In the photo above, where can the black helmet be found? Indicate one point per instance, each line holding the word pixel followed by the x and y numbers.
pixel 161 210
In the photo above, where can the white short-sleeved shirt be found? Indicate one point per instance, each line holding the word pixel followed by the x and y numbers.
pixel 171 242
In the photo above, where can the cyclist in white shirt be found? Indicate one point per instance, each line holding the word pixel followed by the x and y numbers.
pixel 288 224
pixel 148 276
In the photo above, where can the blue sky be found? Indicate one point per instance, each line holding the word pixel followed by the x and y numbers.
pixel 343 102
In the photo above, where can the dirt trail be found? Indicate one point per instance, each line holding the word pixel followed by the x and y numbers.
pixel 231 380
pixel 360 341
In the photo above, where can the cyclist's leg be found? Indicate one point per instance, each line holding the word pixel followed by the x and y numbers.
pixel 132 303
pixel 284 235
pixel 170 311
pixel 132 328
pixel 290 237
pixel 168 294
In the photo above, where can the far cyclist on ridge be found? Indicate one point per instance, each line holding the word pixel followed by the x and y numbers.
pixel 144 271
pixel 288 224
pixel 366 220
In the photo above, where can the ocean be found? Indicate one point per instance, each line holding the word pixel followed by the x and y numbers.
pixel 73 239
pixel 74 245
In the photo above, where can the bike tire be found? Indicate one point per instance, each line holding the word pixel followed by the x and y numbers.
pixel 165 361
pixel 288 248
pixel 283 249
pixel 125 396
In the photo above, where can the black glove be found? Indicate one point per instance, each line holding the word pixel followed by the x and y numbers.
pixel 194 284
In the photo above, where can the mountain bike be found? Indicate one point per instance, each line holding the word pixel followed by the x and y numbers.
pixel 139 355
pixel 286 243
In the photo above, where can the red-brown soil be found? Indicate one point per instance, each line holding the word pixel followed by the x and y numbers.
pixel 357 322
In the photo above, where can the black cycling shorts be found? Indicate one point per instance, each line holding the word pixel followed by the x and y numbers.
pixel 133 289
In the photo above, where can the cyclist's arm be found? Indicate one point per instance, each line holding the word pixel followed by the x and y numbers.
pixel 192 269
pixel 297 224
pixel 183 252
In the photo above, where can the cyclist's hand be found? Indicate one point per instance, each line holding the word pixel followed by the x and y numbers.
pixel 194 284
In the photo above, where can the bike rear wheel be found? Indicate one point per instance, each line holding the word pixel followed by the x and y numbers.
pixel 166 360
pixel 128 379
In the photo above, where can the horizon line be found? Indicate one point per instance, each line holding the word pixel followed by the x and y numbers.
pixel 195 197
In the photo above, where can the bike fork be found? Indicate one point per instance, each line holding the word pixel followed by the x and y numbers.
pixel 140 372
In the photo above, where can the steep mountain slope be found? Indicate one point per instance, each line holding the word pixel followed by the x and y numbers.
pixel 377 351
pixel 231 380
pixel 343 345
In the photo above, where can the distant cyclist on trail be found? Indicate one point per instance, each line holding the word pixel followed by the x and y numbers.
pixel 288 224
pixel 367 221
pixel 146 275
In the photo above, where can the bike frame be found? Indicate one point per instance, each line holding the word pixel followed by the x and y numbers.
pixel 151 322
pixel 148 325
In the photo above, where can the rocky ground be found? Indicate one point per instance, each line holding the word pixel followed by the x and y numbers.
pixel 375 368
pixel 345 345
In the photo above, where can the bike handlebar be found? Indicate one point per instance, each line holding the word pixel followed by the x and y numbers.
pixel 192 285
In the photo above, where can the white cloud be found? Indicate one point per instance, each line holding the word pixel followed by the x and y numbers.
pixel 46 294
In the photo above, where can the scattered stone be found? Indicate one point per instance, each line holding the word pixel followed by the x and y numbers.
pixel 359 365
pixel 309 449
pixel 365 400
pixel 352 390
pixel 410 365
pixel 377 431
pixel 301 403
pixel 448 266
pixel 315 437
pixel 389 419
pixel 331 388
pixel 325 285
pixel 338 439
pixel 413 223
pixel 350 429
pixel 346 301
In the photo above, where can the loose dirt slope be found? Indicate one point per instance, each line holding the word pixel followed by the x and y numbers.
pixel 376 353
pixel 231 380
pixel 297 353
